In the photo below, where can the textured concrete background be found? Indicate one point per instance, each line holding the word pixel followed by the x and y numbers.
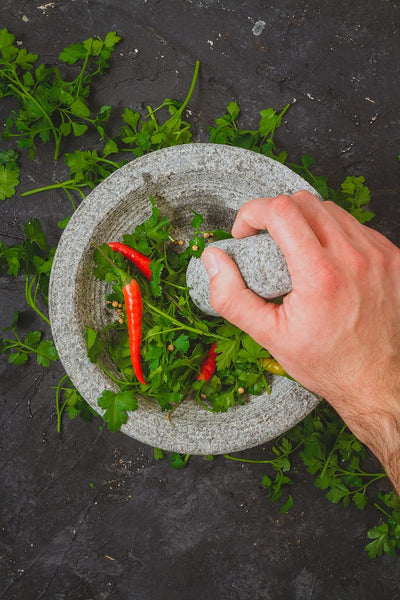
pixel 144 531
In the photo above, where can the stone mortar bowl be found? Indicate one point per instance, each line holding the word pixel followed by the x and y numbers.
pixel 214 180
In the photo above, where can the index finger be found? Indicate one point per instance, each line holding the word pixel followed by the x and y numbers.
pixel 285 222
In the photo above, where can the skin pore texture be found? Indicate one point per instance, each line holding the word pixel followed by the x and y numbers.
pixel 338 332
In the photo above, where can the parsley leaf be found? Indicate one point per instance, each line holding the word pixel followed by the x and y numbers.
pixel 116 406
pixel 95 344
pixel 33 231
pixel 9 173
pixel 178 461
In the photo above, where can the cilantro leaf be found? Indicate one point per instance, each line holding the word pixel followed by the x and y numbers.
pixel 80 108
pixel 360 500
pixel 251 351
pixel 178 461
pixel 76 405
pixel 95 344
pixel 227 348
pixel 71 54
pixel 381 541
pixel 25 59
pixel 197 220
pixel 48 106
pixel 18 358
pixel 33 230
pixel 287 505
pixel 182 343
pixel 6 42
pixel 111 39
pixel 9 179
pixel 46 352
pixel 156 267
pixel 158 454
pixel 116 406
pixel 33 338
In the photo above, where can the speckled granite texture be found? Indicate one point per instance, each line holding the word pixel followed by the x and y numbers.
pixel 216 180
pixel 260 261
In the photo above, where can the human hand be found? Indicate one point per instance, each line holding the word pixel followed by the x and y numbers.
pixel 338 332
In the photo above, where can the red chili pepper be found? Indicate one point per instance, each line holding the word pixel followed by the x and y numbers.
pixel 208 367
pixel 133 308
pixel 140 260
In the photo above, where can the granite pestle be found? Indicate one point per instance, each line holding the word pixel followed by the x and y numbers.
pixel 260 261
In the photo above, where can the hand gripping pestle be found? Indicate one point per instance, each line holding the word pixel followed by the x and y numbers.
pixel 260 261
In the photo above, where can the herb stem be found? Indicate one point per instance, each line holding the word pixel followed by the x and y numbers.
pixel 328 460
pixel 23 93
pixel 80 76
pixel 192 85
pixel 246 460
pixel 150 335
pixel 54 186
pixel 32 301
pixel 59 410
pixel 156 310
pixel 381 510
pixel 120 382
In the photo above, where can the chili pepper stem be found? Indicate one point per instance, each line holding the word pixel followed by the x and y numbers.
pixel 124 277
pixel 141 261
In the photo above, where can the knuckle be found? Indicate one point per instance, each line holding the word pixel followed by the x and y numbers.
pixel 330 205
pixel 282 205
pixel 303 195
pixel 358 263
pixel 328 276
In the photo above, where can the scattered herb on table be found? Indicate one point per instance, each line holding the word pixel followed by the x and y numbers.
pixel 49 106
pixel 9 173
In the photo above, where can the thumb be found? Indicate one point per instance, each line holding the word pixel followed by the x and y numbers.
pixel 232 299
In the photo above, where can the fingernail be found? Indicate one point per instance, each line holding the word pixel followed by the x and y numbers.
pixel 211 264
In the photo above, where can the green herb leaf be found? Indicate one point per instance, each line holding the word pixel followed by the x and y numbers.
pixel 287 506
pixel 182 343
pixel 116 407
pixel 46 352
pixel 158 454
pixel 9 179
pixel 360 500
pixel 33 230
pixel 94 343
pixel 71 54
pixel 178 461
pixel 33 338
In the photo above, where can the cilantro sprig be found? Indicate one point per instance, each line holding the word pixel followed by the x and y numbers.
pixel 19 350
pixel 49 106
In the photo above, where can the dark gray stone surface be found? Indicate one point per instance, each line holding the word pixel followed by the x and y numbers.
pixel 88 514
